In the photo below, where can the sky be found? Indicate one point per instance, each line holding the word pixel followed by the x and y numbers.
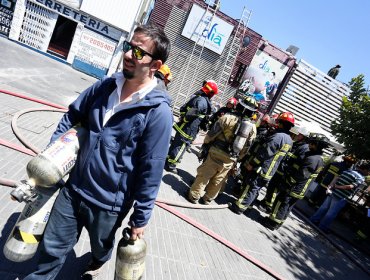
pixel 327 32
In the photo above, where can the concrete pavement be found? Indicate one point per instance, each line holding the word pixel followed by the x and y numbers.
pixel 176 249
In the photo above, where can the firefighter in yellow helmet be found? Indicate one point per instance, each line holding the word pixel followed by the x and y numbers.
pixel 164 73
pixel 229 138
pixel 191 115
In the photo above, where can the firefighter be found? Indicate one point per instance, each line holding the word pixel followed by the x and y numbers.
pixel 264 130
pixel 208 122
pixel 299 149
pixel 264 163
pixel 327 175
pixel 298 176
pixel 229 137
pixel 191 114
pixel 164 73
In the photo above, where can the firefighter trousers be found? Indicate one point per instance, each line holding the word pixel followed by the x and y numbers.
pixel 253 184
pixel 272 190
pixel 211 176
pixel 282 207
pixel 177 150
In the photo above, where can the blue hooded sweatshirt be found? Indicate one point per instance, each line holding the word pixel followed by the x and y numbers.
pixel 121 162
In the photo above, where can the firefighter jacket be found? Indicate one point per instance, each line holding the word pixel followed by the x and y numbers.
pixel 192 114
pixel 302 171
pixel 267 157
pixel 222 135
pixel 297 153
pixel 330 172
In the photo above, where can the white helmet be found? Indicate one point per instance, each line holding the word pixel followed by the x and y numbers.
pixel 300 130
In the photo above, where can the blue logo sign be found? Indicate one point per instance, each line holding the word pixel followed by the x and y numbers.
pixel 213 35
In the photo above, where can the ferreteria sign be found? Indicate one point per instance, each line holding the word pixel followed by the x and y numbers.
pixel 89 22
pixel 203 28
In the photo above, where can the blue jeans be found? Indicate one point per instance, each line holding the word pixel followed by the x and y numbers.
pixel 69 215
pixel 328 211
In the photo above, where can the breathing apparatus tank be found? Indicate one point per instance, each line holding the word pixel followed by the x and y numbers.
pixel 130 260
pixel 242 135
pixel 27 233
pixel 39 192
pixel 51 165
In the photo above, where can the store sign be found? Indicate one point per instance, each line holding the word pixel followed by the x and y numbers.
pixel 94 54
pixel 6 16
pixel 204 28
pixel 89 22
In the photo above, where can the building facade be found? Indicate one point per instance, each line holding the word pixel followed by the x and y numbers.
pixel 87 34
pixel 208 44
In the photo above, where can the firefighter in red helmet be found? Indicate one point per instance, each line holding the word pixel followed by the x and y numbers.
pixel 264 162
pixel 191 115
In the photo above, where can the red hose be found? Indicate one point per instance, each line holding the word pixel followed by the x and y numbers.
pixel 220 239
pixel 7 182
pixel 33 99
pixel 16 147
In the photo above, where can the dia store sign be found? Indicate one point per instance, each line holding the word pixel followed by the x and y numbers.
pixel 203 28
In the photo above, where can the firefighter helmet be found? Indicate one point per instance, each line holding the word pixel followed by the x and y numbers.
pixel 232 101
pixel 300 130
pixel 249 103
pixel 350 159
pixel 319 139
pixel 210 88
pixel 286 117
pixel 166 72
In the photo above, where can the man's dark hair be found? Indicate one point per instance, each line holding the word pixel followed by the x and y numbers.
pixel 161 42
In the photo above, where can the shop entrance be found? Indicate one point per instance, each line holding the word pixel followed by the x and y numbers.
pixel 61 40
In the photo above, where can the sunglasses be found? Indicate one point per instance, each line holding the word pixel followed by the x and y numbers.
pixel 139 53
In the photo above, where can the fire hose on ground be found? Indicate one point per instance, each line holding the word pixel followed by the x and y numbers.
pixel 32 150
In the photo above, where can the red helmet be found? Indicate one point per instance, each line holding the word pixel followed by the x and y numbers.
pixel 210 88
pixel 287 117
pixel 232 101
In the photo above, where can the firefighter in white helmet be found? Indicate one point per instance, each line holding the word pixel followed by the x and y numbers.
pixel 297 177
pixel 299 135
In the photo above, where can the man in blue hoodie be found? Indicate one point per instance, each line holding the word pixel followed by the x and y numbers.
pixel 128 121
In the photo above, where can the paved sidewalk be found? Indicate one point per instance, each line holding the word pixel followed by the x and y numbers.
pixel 176 249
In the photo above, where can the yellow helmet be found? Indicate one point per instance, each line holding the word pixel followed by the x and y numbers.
pixel 166 72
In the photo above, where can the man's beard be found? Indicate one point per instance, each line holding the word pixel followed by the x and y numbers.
pixel 127 74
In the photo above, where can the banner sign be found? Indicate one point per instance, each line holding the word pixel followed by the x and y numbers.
pixel 204 28
pixel 263 77
pixel 6 16
pixel 94 54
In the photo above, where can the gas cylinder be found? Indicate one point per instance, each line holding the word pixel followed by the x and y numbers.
pixel 57 160
pixel 242 135
pixel 52 164
pixel 24 239
pixel 130 260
